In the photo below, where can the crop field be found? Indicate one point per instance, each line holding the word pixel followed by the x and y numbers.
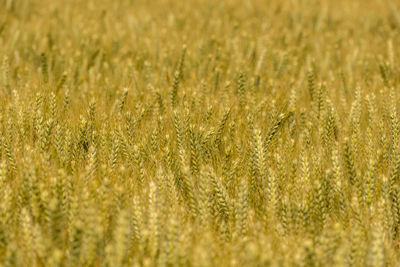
pixel 199 133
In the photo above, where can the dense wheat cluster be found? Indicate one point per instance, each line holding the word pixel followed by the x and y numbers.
pixel 199 133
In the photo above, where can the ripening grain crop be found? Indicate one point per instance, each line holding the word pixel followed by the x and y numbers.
pixel 199 133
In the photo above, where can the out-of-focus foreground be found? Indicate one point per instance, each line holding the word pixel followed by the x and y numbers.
pixel 199 133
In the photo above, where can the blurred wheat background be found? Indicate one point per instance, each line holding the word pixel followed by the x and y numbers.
pixel 199 133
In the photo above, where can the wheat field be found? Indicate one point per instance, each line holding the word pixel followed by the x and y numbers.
pixel 199 133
